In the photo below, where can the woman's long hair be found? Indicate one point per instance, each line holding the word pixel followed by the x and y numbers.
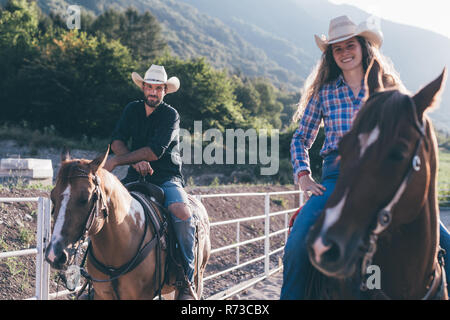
pixel 326 70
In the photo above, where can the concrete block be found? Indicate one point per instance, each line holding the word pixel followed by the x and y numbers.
pixel 28 170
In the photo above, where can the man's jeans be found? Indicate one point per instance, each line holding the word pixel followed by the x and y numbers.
pixel 184 229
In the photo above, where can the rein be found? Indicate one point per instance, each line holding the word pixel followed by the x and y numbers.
pixel 384 219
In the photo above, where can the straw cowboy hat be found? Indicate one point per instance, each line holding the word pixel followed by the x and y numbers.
pixel 157 75
pixel 342 28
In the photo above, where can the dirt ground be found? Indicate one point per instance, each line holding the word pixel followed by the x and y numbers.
pixel 18 231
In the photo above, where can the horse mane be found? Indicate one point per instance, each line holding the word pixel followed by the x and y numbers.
pixel 384 109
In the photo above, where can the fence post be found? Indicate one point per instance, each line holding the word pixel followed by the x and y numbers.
pixel 238 240
pixel 39 247
pixel 267 233
pixel 45 239
pixel 302 198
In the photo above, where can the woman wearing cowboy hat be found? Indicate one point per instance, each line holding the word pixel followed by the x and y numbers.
pixel 333 93
pixel 153 127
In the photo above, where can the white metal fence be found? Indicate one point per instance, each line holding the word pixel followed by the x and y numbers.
pixel 266 238
pixel 43 234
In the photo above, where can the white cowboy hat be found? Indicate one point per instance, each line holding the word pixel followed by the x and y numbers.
pixel 157 75
pixel 342 28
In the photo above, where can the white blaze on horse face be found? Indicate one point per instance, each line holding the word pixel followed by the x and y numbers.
pixel 333 214
pixel 57 230
pixel 367 139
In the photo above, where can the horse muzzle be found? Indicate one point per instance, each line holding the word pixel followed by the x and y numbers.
pixel 332 256
pixel 56 255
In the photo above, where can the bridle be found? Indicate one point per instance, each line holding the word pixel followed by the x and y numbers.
pixel 99 203
pixel 384 218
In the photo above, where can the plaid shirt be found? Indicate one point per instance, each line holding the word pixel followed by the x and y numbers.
pixel 337 106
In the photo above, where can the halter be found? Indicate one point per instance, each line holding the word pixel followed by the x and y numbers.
pixel 94 213
pixel 97 196
pixel 384 216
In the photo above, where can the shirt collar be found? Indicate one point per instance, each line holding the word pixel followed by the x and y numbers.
pixel 340 81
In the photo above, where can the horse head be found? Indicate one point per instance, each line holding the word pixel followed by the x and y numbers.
pixel 78 205
pixel 387 162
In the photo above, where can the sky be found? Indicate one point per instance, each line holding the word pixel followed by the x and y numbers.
pixel 427 14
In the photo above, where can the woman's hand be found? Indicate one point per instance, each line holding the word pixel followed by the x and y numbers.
pixel 143 168
pixel 308 185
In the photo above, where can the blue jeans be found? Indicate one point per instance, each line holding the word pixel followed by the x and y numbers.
pixel 295 260
pixel 444 242
pixel 184 229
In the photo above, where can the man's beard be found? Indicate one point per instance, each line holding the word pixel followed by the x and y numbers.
pixel 152 103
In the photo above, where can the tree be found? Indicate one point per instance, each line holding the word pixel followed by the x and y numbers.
pixel 260 98
pixel 205 94
pixel 141 33
pixel 18 44
pixel 78 83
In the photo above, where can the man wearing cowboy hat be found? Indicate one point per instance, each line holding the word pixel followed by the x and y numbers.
pixel 153 127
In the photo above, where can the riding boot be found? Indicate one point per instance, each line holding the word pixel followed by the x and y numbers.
pixel 187 292
pixel 185 234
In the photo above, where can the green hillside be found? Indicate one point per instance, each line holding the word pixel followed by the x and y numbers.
pixel 284 30
pixel 191 33
pixel 274 39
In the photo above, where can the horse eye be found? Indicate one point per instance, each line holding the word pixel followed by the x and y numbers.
pixel 397 154
pixel 82 201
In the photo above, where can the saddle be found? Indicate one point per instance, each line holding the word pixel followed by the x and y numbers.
pixel 148 194
pixel 148 189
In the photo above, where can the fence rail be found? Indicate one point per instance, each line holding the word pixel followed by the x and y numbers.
pixel 43 233
pixel 42 236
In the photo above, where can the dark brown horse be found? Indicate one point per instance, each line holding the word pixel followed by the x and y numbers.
pixel 89 199
pixel 378 236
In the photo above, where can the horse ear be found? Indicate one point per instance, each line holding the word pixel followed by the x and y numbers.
pixel 65 154
pixel 373 79
pixel 99 162
pixel 429 95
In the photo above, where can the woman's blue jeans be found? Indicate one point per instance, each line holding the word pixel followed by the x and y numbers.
pixel 296 261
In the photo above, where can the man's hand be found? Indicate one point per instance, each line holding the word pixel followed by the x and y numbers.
pixel 308 185
pixel 143 168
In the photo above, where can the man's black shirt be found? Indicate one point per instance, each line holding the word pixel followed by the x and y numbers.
pixel 159 131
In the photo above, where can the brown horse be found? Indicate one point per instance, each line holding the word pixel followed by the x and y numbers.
pixel 378 236
pixel 89 199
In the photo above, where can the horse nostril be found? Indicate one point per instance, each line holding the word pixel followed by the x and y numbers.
pixel 326 250
pixel 56 256
pixel 63 258
pixel 333 254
